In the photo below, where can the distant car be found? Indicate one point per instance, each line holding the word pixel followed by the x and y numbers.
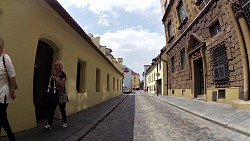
pixel 126 89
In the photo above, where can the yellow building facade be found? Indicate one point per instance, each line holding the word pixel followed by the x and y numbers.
pixel 156 75
pixel 36 34
pixel 135 80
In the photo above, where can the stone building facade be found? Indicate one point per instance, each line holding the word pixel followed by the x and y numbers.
pixel 206 50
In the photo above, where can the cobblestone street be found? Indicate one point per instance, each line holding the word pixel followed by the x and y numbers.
pixel 142 117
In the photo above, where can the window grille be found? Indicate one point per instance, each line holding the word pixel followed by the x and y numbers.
pixel 181 11
pixel 246 8
pixel 220 64
pixel 221 94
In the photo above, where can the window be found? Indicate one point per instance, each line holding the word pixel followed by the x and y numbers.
pixel 246 8
pixel 108 85
pixel 183 59
pixel 81 77
pixel 220 64
pixel 215 29
pixel 170 30
pixel 173 65
pixel 113 83
pixel 181 12
pixel 160 65
pixel 221 94
pixel 198 1
pixel 117 84
pixel 98 80
pixel 166 5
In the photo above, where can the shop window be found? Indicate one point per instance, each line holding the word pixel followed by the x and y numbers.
pixel 98 80
pixel 220 64
pixel 215 29
pixel 81 77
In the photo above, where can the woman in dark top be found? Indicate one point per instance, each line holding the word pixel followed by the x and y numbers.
pixel 57 95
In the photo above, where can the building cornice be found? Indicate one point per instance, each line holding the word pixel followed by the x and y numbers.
pixel 65 15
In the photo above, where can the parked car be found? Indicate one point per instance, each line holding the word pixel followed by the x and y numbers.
pixel 126 89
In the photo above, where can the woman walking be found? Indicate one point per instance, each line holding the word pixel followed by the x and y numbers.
pixel 57 95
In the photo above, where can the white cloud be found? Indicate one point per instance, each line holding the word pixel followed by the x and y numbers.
pixel 133 39
pixel 107 5
pixel 136 46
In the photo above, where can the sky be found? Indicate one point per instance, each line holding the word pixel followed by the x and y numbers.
pixel 131 28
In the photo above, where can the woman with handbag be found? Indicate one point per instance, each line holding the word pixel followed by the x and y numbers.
pixel 57 95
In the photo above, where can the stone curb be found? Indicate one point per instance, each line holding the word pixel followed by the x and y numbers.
pixel 206 117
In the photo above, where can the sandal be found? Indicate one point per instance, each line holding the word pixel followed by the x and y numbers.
pixel 48 127
pixel 64 125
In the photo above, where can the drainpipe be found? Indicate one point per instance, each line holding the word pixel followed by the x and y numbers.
pixel 242 45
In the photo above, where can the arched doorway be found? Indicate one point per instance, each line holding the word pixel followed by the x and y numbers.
pixel 42 73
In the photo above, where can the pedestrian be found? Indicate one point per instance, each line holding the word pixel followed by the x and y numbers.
pixel 57 95
pixel 7 90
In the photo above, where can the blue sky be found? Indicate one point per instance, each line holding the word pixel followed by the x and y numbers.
pixel 131 28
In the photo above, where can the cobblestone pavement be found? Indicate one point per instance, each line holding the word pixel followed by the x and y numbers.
pixel 141 117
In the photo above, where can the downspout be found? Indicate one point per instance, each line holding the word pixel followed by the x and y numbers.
pixel 243 48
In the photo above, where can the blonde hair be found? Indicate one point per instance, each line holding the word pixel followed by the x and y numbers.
pixel 2 42
pixel 60 63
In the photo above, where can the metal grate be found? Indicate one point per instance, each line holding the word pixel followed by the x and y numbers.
pixel 220 64
pixel 221 94
pixel 246 8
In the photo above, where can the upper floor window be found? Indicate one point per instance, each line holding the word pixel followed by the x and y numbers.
pixel 215 29
pixel 170 30
pixel 173 65
pixel 181 11
pixel 183 59
pixel 166 5
pixel 246 8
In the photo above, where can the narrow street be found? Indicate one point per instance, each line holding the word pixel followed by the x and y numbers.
pixel 142 117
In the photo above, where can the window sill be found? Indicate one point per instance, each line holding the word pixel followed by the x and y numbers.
pixel 170 39
pixel 182 23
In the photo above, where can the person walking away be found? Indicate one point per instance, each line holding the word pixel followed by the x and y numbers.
pixel 7 90
pixel 57 95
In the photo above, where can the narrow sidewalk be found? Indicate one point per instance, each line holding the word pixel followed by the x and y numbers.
pixel 79 124
pixel 223 114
